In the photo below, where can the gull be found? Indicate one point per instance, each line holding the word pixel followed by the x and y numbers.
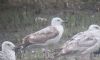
pixel 46 36
pixel 7 52
pixel 49 35
pixel 82 43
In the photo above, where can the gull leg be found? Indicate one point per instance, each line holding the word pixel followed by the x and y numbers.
pixel 22 53
pixel 46 53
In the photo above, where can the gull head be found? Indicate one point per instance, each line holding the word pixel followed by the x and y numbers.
pixel 7 45
pixel 94 27
pixel 56 21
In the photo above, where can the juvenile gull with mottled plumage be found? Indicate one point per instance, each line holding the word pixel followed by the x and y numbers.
pixel 7 52
pixel 82 43
pixel 49 35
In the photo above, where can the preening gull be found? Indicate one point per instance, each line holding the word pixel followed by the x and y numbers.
pixel 7 52
pixel 50 34
pixel 82 43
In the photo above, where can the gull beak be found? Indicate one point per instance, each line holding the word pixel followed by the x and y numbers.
pixel 65 21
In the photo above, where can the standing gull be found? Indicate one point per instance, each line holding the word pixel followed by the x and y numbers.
pixel 83 43
pixel 7 52
pixel 46 36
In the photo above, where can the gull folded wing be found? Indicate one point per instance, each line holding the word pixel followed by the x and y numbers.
pixel 41 36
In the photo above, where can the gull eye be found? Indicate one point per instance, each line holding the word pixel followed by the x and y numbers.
pixel 97 27
pixel 58 20
pixel 8 44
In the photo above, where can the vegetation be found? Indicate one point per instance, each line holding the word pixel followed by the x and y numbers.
pixel 19 18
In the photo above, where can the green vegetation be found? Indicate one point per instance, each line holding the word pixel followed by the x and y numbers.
pixel 18 18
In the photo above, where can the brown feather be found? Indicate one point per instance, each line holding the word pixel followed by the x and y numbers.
pixel 41 36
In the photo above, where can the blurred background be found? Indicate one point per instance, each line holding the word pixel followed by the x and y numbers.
pixel 21 17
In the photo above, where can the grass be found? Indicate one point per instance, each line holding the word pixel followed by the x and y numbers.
pixel 15 24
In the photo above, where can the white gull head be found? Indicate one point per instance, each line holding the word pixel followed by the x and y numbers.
pixel 8 46
pixel 8 51
pixel 94 27
pixel 56 21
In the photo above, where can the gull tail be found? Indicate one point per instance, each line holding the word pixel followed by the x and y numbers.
pixel 21 47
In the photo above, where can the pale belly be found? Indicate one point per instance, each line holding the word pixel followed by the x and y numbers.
pixel 53 41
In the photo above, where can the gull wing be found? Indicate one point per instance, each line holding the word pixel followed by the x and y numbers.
pixel 82 42
pixel 41 36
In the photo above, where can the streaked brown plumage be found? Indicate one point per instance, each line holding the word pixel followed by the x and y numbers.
pixel 41 36
pixel 50 34
pixel 82 43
